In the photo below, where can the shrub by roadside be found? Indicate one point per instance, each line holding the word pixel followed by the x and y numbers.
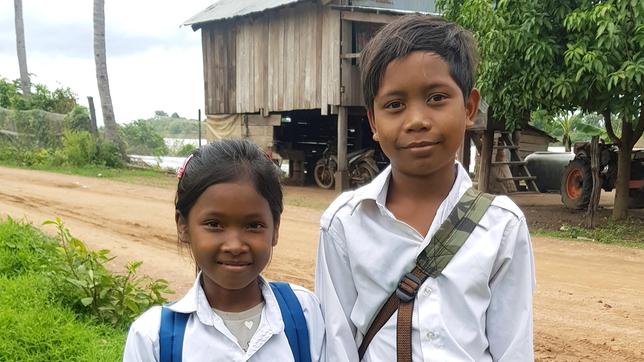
pixel 59 302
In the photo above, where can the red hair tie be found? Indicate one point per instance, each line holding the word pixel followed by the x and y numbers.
pixel 181 170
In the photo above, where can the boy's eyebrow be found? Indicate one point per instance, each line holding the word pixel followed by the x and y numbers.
pixel 428 88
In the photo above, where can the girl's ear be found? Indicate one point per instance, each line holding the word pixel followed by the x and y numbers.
pixel 182 228
pixel 276 234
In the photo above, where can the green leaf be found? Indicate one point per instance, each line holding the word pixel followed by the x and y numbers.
pixel 87 301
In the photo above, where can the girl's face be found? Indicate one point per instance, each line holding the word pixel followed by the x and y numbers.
pixel 231 233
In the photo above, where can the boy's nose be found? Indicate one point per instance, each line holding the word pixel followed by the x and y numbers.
pixel 418 119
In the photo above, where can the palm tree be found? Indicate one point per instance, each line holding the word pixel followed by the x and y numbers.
pixel 111 128
pixel 25 84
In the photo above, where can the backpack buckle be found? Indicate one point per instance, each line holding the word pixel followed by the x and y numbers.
pixel 408 287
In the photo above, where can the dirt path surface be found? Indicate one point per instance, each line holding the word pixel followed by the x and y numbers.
pixel 589 305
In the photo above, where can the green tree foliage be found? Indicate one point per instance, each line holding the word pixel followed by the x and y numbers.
pixel 559 56
pixel 61 100
pixel 142 139
pixel 173 127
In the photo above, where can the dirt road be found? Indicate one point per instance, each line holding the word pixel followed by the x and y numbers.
pixel 589 305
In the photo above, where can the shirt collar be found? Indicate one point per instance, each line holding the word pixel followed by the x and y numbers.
pixel 377 189
pixel 195 301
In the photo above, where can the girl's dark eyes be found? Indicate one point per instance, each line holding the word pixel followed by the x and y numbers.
pixel 255 226
pixel 213 224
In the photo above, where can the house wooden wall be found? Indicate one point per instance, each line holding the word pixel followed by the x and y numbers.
pixel 280 60
pixel 531 142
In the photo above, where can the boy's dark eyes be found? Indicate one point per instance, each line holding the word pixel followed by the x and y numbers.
pixel 394 105
pixel 436 98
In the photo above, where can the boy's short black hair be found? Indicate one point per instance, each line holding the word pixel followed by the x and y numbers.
pixel 427 33
pixel 229 160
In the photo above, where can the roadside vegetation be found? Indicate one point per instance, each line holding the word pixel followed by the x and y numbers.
pixel 625 233
pixel 60 302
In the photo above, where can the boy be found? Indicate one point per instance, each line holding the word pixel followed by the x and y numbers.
pixel 418 85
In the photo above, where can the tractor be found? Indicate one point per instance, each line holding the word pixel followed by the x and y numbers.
pixel 577 181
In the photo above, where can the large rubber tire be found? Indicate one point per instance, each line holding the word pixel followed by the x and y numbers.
pixel 576 184
pixel 323 176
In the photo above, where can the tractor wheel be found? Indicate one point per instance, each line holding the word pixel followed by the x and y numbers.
pixel 576 184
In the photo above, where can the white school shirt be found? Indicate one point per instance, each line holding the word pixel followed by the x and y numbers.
pixel 478 309
pixel 207 338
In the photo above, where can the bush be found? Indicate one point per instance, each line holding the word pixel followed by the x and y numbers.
pixel 61 100
pixel 79 148
pixel 33 327
pixel 113 298
pixel 78 119
pixel 78 275
pixel 142 139
pixel 18 256
pixel 186 150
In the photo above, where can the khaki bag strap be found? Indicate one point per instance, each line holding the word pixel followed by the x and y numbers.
pixel 449 238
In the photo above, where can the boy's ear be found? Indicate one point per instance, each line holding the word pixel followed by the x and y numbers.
pixel 372 125
pixel 182 228
pixel 472 107
pixel 276 234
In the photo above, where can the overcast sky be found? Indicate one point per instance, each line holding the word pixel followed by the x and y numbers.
pixel 153 63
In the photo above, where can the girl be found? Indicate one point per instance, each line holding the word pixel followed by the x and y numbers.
pixel 228 207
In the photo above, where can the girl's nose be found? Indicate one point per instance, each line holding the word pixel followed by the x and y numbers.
pixel 234 243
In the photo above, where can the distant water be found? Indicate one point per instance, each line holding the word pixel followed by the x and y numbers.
pixel 173 163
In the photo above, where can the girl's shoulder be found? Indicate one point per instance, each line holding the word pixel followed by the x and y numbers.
pixel 304 295
pixel 147 324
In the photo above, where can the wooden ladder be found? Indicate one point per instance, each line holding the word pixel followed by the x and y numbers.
pixel 518 167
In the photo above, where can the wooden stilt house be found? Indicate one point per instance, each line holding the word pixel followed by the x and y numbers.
pixel 268 63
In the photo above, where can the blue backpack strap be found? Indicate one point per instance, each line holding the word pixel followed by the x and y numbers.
pixel 295 327
pixel 171 331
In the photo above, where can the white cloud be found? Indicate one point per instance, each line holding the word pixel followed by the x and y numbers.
pixel 153 64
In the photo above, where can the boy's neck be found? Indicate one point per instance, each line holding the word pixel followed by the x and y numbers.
pixel 433 187
pixel 415 200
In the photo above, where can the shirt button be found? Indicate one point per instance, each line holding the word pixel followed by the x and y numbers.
pixel 427 291
pixel 431 335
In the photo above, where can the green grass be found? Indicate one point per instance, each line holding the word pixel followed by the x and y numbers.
pixel 34 324
pixel 628 233
pixel 34 328
pixel 149 177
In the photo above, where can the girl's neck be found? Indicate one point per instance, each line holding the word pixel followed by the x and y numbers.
pixel 232 300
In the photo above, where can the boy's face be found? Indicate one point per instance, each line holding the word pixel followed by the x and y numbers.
pixel 419 115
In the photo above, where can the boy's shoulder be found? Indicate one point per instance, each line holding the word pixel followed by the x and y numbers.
pixel 344 200
pixel 505 203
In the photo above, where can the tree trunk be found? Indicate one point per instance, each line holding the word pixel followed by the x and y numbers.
pixel 620 208
pixel 25 84
pixel 566 142
pixel 111 128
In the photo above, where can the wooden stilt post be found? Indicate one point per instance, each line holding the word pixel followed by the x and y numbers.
pixel 486 159
pixel 342 175
pixel 199 122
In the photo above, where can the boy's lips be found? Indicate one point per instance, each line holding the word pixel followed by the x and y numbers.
pixel 420 144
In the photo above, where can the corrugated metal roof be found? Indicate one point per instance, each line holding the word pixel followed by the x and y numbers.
pixel 227 9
